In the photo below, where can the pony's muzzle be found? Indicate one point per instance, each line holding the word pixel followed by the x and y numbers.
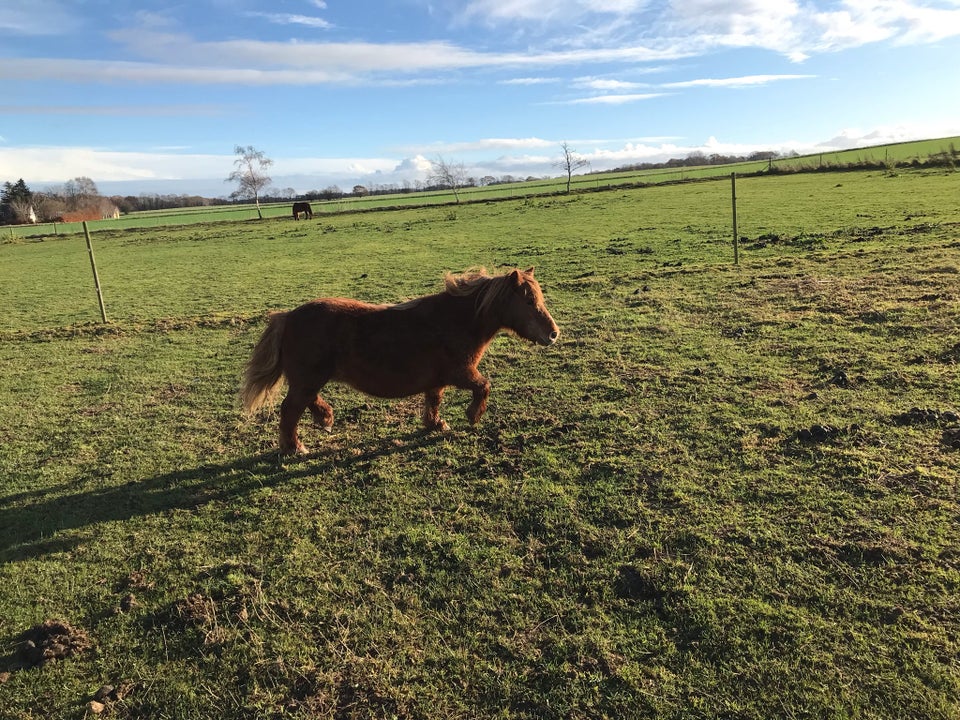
pixel 548 339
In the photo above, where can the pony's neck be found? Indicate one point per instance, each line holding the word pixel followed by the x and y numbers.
pixel 484 322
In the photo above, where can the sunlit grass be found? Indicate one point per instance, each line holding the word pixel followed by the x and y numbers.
pixel 710 499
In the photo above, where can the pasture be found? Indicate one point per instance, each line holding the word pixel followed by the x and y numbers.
pixel 725 491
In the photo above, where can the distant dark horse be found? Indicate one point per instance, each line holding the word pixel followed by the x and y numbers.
pixel 392 351
pixel 304 208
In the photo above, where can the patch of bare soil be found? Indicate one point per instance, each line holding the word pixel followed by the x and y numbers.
pixel 926 416
pixel 49 641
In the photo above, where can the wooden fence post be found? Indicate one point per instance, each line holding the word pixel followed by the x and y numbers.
pixel 96 277
pixel 736 235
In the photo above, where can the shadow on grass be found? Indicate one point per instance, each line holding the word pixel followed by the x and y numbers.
pixel 32 523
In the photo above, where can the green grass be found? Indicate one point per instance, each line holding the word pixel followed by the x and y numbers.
pixel 708 500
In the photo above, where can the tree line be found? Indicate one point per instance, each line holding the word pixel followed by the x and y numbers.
pixel 699 159
pixel 20 205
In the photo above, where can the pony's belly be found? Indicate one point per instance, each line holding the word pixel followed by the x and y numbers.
pixel 386 382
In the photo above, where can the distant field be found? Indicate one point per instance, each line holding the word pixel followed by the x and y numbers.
pixel 900 153
pixel 727 492
pixel 191 269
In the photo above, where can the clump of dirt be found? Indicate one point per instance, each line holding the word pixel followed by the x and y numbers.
pixel 840 379
pixel 49 641
pixel 632 584
pixel 925 416
pixel 951 354
pixel 820 433
pixel 951 438
pixel 197 609
pixel 762 241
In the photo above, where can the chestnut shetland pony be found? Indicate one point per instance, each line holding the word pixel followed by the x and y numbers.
pixel 392 351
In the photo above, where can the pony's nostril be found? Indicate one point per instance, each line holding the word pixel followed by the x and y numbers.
pixel 554 335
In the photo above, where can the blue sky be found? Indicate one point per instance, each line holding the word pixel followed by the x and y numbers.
pixel 152 97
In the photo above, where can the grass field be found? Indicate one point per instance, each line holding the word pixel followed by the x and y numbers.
pixel 726 492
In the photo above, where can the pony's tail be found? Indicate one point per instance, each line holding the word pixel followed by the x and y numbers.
pixel 261 378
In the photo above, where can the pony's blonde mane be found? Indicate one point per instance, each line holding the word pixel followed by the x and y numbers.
pixel 488 289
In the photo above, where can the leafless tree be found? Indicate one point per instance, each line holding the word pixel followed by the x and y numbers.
pixel 22 210
pixel 570 162
pixel 48 206
pixel 76 194
pixel 448 174
pixel 249 172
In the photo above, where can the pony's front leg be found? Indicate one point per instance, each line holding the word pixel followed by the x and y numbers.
pixel 322 413
pixel 480 387
pixel 431 410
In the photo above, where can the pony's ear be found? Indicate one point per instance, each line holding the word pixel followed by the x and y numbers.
pixel 529 270
pixel 515 277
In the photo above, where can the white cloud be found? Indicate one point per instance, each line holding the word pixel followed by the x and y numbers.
pixel 570 11
pixel 105 71
pixel 415 167
pixel 612 99
pixel 117 110
pixel 479 146
pixel 292 19
pixel 855 137
pixel 36 17
pixel 181 60
pixel 530 81
pixel 58 164
pixel 793 28
pixel 736 82
pixel 607 84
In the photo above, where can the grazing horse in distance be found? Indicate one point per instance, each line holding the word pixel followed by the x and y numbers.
pixel 304 209
pixel 392 351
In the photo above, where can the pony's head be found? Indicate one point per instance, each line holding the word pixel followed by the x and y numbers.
pixel 524 310
pixel 514 300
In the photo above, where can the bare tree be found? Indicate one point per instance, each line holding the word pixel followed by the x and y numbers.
pixel 22 211
pixel 446 174
pixel 76 194
pixel 48 206
pixel 250 173
pixel 570 162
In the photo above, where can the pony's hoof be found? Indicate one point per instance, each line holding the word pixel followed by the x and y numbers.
pixel 439 426
pixel 299 449
pixel 327 428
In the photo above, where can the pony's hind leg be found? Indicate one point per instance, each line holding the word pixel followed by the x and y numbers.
pixel 431 410
pixel 291 410
pixel 322 413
